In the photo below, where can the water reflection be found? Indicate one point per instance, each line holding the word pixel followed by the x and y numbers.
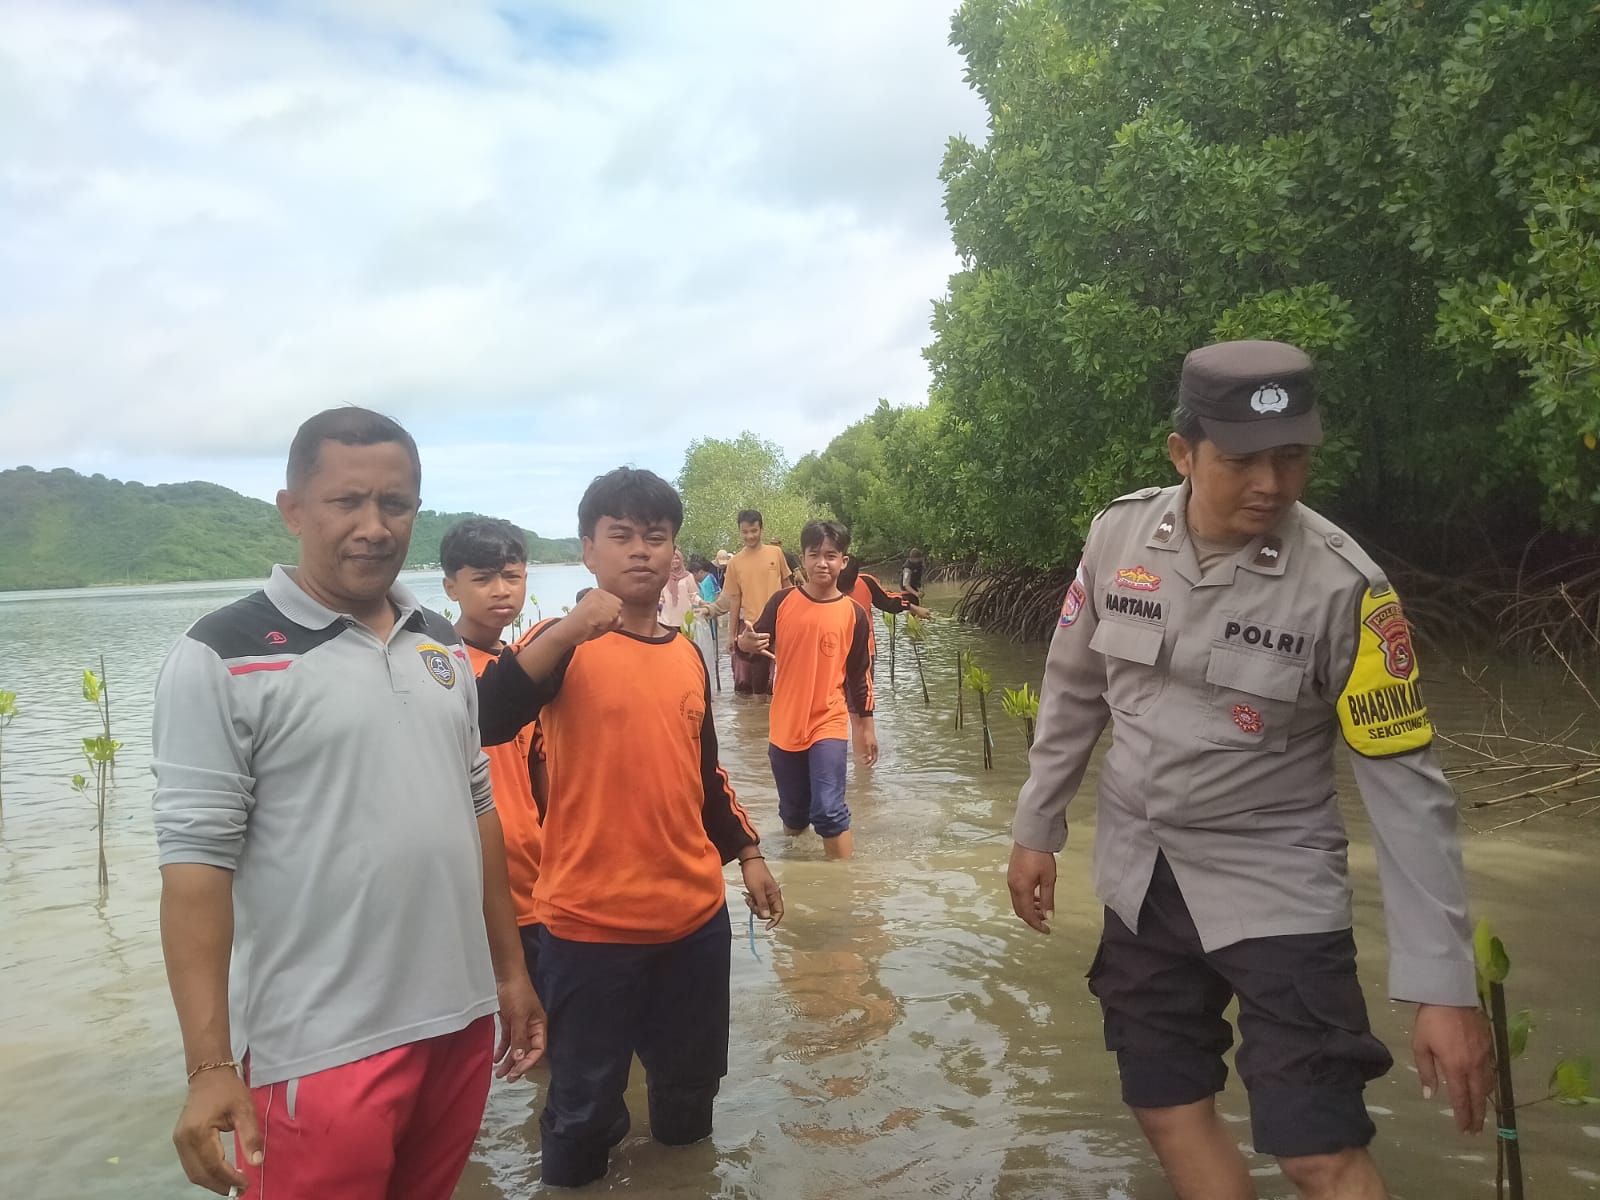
pixel 834 1008
pixel 902 1035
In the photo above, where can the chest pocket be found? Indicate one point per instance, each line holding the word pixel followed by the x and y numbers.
pixel 1131 653
pixel 1252 697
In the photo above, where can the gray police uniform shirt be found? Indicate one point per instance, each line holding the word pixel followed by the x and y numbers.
pixel 339 777
pixel 1226 695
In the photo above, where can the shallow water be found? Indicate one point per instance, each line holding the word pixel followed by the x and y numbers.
pixel 900 1035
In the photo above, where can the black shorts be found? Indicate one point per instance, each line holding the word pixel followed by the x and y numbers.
pixel 1306 1048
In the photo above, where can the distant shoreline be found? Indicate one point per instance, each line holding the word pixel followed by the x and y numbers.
pixel 62 531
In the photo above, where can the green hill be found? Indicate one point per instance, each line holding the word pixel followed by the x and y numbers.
pixel 62 529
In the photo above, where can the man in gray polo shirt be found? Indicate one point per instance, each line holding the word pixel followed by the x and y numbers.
pixel 323 814
pixel 1230 635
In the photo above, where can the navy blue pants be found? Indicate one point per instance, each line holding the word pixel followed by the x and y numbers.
pixel 530 952
pixel 811 786
pixel 606 1001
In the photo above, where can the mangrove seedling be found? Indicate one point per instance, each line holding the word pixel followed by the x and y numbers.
pixel 98 693
pixel 915 633
pixel 688 626
pixel 448 615
pixel 101 753
pixel 892 621
pixel 8 709
pixel 538 613
pixel 1023 704
pixel 1571 1082
pixel 977 679
pixel 961 667
pixel 516 626
pixel 716 651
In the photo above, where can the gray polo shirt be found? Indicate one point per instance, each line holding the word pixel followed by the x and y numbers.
pixel 1226 691
pixel 339 777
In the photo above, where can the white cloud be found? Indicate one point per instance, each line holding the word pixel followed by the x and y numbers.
pixel 589 234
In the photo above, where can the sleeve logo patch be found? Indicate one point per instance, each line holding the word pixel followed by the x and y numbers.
pixel 1138 579
pixel 1394 635
pixel 437 660
pixel 1072 606
pixel 1381 710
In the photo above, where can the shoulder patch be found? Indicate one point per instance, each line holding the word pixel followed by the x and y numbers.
pixel 1381 710
pixel 1072 605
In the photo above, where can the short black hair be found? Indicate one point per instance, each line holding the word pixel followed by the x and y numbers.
pixel 749 516
pixel 486 543
pixel 349 426
pixel 582 592
pixel 629 494
pixel 1186 424
pixel 698 562
pixel 814 533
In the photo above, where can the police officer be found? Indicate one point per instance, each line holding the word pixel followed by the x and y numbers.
pixel 1230 636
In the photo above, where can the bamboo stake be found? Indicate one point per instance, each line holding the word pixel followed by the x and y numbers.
pixel 8 709
pixel 1510 1150
pixel 916 652
pixel 105 699
pixel 960 689
pixel 988 741
pixel 716 652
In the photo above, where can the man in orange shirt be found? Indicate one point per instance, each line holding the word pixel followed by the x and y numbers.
pixel 634 935
pixel 754 575
pixel 822 642
pixel 485 565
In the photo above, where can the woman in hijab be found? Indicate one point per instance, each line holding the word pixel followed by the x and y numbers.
pixel 680 595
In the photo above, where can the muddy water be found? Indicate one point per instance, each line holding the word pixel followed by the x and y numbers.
pixel 901 1035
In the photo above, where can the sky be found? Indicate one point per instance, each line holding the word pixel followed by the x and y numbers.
pixel 548 238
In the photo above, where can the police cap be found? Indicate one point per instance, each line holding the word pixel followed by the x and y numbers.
pixel 1252 396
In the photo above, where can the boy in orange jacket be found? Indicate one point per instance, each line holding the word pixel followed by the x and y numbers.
pixel 822 642
pixel 485 565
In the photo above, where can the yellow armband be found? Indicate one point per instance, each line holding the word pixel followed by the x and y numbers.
pixel 1381 709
